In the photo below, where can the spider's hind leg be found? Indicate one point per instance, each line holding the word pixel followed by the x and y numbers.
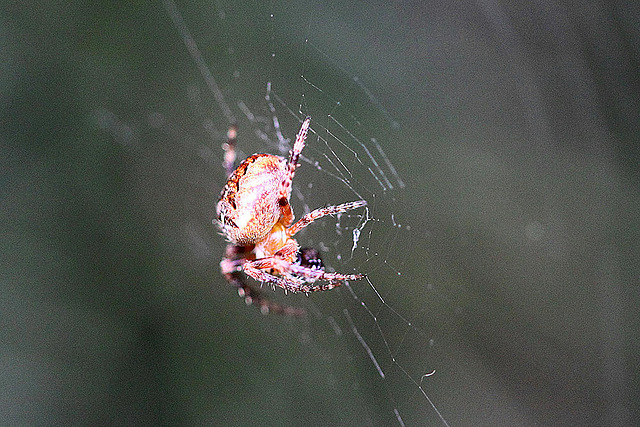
pixel 256 297
pixel 229 148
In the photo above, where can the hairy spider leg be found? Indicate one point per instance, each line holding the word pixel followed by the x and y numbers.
pixel 254 269
pixel 231 270
pixel 320 212
pixel 292 164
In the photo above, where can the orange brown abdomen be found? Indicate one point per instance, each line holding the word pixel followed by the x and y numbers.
pixel 248 207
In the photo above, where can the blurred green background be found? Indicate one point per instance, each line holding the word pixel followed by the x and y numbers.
pixel 514 126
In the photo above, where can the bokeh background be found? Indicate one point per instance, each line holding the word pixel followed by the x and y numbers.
pixel 514 126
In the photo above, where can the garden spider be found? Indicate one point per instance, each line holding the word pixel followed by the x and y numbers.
pixel 255 216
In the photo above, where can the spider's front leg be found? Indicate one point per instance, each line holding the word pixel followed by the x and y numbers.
pixel 314 274
pixel 292 164
pixel 281 271
pixel 231 267
pixel 271 269
pixel 258 270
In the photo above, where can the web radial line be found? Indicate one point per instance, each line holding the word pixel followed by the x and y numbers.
pixel 424 393
pixel 393 359
pixel 401 342
pixel 334 153
pixel 192 47
pixel 391 353
pixel 343 144
pixel 375 320
pixel 276 123
pixel 284 105
pixel 393 170
pixel 247 112
pixel 377 179
pixel 375 101
pixel 316 87
pixel 363 342
pixel 358 83
pixel 344 179
pixel 377 293
pixel 398 417
pixel 366 150
pixel 256 123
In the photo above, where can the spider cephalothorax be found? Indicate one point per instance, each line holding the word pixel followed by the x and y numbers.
pixel 255 216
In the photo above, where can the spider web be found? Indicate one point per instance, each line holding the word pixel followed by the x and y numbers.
pixel 495 141
pixel 387 321
pixel 396 347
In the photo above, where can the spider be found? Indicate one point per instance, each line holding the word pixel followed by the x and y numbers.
pixel 256 218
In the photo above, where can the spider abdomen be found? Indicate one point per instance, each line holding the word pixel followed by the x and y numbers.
pixel 249 205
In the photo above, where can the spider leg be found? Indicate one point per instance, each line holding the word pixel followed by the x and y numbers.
pixel 319 213
pixel 294 155
pixel 313 274
pixel 229 148
pixel 232 271
pixel 287 284
pixel 259 270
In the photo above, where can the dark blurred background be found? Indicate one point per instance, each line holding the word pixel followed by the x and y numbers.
pixel 514 126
